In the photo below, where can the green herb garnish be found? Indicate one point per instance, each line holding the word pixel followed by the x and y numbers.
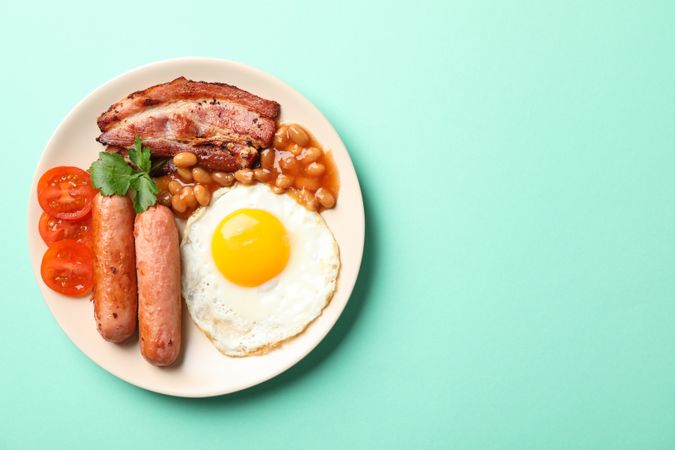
pixel 112 174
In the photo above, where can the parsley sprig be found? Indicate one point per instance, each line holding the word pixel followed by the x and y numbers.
pixel 113 174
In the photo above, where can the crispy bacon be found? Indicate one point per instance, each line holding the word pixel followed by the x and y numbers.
pixel 224 157
pixel 222 124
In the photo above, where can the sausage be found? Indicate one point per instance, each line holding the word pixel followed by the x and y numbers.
pixel 159 288
pixel 115 293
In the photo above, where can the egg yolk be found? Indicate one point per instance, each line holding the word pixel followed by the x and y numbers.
pixel 250 247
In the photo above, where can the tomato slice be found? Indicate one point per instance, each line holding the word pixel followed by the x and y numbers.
pixel 53 229
pixel 66 192
pixel 68 268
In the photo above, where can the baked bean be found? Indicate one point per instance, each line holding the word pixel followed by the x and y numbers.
pixel 324 197
pixel 281 137
pixel 315 169
pixel 164 198
pixel 244 176
pixel 262 175
pixel 184 173
pixel 311 203
pixel 308 183
pixel 202 194
pixel 185 159
pixel 288 163
pixel 200 175
pixel 283 181
pixel 267 159
pixel 178 204
pixel 223 178
pixel 295 165
pixel 174 187
pixel 188 195
pixel 298 135
pixel 311 154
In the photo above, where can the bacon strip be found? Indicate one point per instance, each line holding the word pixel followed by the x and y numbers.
pixel 222 124
pixel 183 89
pixel 223 157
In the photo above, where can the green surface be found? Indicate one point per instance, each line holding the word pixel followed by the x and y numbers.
pixel 518 168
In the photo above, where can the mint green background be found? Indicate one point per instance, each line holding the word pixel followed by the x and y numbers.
pixel 518 167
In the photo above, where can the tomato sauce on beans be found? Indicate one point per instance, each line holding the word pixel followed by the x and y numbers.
pixel 297 165
pixel 300 166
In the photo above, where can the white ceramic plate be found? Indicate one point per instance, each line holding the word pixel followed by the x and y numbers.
pixel 202 370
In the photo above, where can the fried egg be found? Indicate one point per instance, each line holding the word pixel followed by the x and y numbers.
pixel 258 268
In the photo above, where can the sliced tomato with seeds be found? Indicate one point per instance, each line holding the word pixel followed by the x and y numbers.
pixel 66 192
pixel 53 229
pixel 68 268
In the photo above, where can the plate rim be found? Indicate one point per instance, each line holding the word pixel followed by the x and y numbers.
pixel 348 290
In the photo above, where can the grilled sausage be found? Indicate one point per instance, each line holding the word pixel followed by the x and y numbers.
pixel 159 291
pixel 115 294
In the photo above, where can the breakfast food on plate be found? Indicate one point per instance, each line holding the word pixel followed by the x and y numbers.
pixel 159 297
pixel 259 263
pixel 221 124
pixel 300 166
pixel 297 165
pixel 115 296
pixel 53 229
pixel 65 194
pixel 113 174
pixel 257 268
pixel 67 268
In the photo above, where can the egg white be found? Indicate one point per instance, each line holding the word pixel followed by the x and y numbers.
pixel 251 320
